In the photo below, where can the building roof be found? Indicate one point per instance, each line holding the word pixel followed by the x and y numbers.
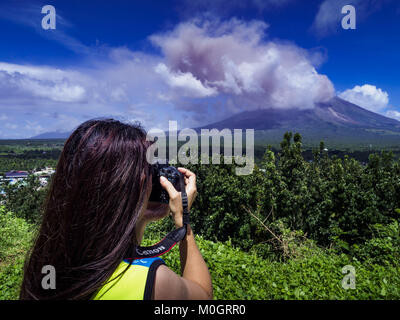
pixel 16 174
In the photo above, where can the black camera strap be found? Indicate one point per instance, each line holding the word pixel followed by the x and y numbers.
pixel 172 238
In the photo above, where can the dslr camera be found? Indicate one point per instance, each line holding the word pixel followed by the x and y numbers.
pixel 158 194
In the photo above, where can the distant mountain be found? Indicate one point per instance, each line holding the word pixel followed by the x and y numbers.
pixel 52 135
pixel 335 121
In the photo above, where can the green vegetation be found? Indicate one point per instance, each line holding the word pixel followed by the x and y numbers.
pixel 26 198
pixel 283 232
pixel 344 139
pixel 28 154
pixel 334 201
pixel 15 240
pixel 309 273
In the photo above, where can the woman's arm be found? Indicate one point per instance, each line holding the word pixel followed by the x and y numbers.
pixel 195 282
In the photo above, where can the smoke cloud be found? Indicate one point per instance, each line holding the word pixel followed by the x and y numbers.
pixel 233 60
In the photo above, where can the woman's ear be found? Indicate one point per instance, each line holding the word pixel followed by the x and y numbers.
pixel 149 184
pixel 153 211
pixel 156 211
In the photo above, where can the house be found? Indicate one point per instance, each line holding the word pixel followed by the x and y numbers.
pixel 13 174
pixel 44 175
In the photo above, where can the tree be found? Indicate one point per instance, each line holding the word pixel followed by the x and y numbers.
pixel 26 198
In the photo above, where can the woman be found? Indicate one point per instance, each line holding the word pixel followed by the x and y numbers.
pixel 97 211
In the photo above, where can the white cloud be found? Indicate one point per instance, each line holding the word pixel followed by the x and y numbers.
pixel 393 114
pixel 40 82
pixel 47 98
pixel 328 17
pixel 367 96
pixel 11 126
pixel 34 126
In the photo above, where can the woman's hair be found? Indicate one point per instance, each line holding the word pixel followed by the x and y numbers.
pixel 97 192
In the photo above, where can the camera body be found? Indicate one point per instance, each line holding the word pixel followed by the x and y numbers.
pixel 158 193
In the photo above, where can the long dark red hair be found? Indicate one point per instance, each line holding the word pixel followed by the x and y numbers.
pixel 97 192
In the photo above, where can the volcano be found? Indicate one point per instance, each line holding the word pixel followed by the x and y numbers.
pixel 336 121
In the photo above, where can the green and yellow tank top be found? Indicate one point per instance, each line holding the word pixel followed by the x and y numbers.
pixel 135 284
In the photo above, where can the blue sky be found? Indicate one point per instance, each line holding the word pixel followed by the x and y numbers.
pixel 191 61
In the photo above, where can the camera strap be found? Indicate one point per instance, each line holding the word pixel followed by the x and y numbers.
pixel 172 238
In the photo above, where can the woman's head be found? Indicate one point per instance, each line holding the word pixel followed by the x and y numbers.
pixel 100 188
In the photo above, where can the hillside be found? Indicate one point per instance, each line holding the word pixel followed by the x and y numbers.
pixel 335 122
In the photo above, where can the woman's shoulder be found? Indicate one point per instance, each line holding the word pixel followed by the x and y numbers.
pixel 133 279
pixel 168 285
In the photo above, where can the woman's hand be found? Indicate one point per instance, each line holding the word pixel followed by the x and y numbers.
pixel 175 198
